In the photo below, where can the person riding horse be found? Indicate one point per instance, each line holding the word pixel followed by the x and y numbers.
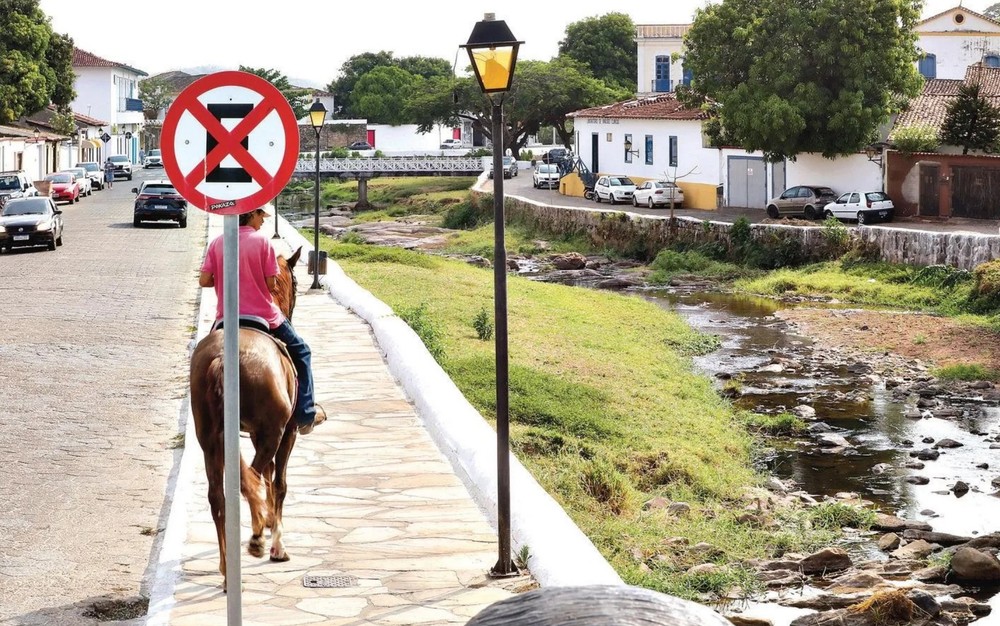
pixel 257 272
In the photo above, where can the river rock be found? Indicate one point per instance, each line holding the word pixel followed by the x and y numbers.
pixel 819 427
pixel 927 454
pixel 948 443
pixel 855 582
pixel 971 565
pixel 569 261
pixel 966 604
pixel 917 480
pixel 881 468
pixel 833 440
pixel 888 542
pixel 773 368
pixel 960 489
pixel 943 539
pixel 710 569
pixel 804 411
pixel 679 509
pixel 912 414
pixel 917 465
pixel 739 620
pixel 933 574
pixel 659 502
pixel 619 282
pixel 925 602
pixel 891 523
pixel 826 560
pixel 775 485
pixel 918 549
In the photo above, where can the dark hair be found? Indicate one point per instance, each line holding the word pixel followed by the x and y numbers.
pixel 245 217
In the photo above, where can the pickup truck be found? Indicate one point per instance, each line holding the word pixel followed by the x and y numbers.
pixel 15 185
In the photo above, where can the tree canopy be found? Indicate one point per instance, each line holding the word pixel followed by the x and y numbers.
pixel 356 67
pixel 791 77
pixel 298 97
pixel 380 95
pixel 993 11
pixel 155 95
pixel 36 64
pixel 542 94
pixel 606 46
pixel 971 121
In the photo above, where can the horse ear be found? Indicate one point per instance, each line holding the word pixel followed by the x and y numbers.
pixel 294 258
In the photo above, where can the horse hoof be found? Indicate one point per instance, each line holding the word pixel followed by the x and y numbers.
pixel 257 551
pixel 280 557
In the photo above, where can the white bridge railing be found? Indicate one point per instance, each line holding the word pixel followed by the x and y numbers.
pixel 392 165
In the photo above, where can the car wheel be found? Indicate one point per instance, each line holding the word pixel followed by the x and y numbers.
pixel 77 198
pixel 649 202
pixel 597 197
pixel 828 214
pixel 183 223
pixel 635 202
pixel 810 212
pixel 611 199
pixel 129 177
pixel 52 244
pixel 136 221
pixel 861 218
pixel 59 239
pixel 772 212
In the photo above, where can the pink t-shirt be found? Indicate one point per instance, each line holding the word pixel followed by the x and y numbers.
pixel 257 262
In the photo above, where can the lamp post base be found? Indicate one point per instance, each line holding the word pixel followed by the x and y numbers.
pixel 510 571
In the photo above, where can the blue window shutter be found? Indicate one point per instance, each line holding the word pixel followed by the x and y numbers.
pixel 927 66
pixel 649 149
pixel 662 82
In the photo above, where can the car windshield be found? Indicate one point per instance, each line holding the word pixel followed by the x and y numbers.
pixel 663 184
pixel 26 206
pixel 546 169
pixel 9 182
pixel 119 159
pixel 620 180
pixel 158 189
pixel 508 160
pixel 59 178
pixel 90 167
pixel 876 196
pixel 154 153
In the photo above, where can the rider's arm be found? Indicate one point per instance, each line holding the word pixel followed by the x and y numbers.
pixel 206 280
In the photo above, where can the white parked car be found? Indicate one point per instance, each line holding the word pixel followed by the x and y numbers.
pixel 153 159
pixel 614 189
pixel 448 144
pixel 658 193
pixel 863 206
pixel 545 175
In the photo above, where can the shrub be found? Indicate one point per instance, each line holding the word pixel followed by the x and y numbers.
pixel 426 328
pixel 835 233
pixel 469 213
pixel 835 515
pixel 783 424
pixel 353 237
pixel 483 325
pixel 607 485
pixel 966 371
pixel 526 155
pixel 920 138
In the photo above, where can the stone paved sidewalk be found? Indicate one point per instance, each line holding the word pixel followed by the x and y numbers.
pixel 370 496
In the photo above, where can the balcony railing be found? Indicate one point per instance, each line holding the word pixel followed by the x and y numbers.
pixel 129 104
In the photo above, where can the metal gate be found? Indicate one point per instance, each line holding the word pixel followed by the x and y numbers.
pixel 975 192
pixel 929 190
pixel 777 178
pixel 747 182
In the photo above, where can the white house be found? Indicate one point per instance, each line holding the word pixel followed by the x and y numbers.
pixel 108 90
pixel 660 49
pixel 953 40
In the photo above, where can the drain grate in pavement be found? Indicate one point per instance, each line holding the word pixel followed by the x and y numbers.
pixel 329 582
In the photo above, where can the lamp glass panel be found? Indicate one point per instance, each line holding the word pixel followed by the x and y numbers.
pixel 316 118
pixel 493 66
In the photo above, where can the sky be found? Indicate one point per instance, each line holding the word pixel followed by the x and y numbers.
pixel 310 42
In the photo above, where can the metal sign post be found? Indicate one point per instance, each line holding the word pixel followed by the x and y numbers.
pixel 230 142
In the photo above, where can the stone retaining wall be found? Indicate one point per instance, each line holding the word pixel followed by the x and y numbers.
pixel 644 236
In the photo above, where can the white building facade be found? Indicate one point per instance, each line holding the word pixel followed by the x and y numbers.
pixel 953 40
pixel 660 49
pixel 110 91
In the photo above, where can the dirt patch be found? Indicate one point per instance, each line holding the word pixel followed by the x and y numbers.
pixel 934 340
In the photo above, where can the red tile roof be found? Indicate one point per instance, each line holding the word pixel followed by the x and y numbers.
pixel 659 107
pixel 82 58
pixel 930 108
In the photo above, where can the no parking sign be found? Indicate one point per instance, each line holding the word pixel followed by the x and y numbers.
pixel 230 142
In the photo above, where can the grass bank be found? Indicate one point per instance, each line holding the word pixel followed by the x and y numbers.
pixel 606 410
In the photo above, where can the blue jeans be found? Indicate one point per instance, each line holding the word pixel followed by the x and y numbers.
pixel 305 401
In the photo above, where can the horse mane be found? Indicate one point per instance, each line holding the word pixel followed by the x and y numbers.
pixel 286 284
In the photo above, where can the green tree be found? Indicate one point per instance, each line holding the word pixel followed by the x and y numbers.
pixel 790 77
pixel 993 11
pixel 542 94
pixel 351 71
pixel 155 95
pixel 298 97
pixel 35 63
pixel 605 45
pixel 380 95
pixel 426 67
pixel 971 120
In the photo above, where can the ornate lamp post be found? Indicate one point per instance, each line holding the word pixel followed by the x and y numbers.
pixel 493 51
pixel 317 115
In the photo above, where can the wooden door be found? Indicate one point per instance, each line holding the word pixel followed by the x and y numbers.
pixel 930 200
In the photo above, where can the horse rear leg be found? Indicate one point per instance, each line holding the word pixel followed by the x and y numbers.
pixel 252 488
pixel 280 488
pixel 217 500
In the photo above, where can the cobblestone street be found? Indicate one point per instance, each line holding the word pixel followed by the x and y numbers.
pixel 94 354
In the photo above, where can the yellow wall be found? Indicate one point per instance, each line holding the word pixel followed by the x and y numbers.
pixel 696 195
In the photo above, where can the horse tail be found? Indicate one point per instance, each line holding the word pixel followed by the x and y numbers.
pixel 216 387
pixel 252 487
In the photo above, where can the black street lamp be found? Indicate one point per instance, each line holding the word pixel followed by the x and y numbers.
pixel 493 51
pixel 317 115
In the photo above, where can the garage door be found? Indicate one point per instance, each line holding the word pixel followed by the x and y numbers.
pixel 747 182
pixel 974 192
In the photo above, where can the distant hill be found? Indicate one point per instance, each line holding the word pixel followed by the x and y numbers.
pixel 201 70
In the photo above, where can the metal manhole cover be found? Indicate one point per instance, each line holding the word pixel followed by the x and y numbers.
pixel 329 582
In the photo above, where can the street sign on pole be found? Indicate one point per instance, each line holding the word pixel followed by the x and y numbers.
pixel 230 142
pixel 128 135
pixel 105 138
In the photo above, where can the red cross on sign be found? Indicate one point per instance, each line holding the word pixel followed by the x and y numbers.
pixel 230 142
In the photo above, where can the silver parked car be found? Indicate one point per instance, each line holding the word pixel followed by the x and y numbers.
pixel 807 200
pixel 653 193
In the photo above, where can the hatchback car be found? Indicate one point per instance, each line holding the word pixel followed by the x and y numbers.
pixel 449 144
pixel 653 193
pixel 614 189
pixel 509 168
pixel 86 186
pixel 360 145
pixel 64 187
pixel 863 206
pixel 95 173
pixel 555 155
pixel 153 159
pixel 123 167
pixel 807 200
pixel 545 175
pixel 30 222
pixel 158 201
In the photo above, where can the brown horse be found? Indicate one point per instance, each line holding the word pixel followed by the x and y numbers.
pixel 267 397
